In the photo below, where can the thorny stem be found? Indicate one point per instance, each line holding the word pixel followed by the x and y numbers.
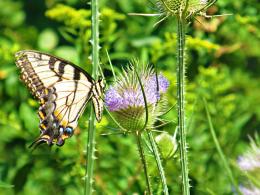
pixel 158 162
pixel 181 104
pixel 142 155
pixel 91 130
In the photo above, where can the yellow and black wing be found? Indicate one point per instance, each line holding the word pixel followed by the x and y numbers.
pixel 40 70
pixel 63 90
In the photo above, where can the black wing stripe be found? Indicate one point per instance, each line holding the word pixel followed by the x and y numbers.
pixel 97 105
pixel 51 63
pixel 97 100
pixel 76 74
pixel 61 68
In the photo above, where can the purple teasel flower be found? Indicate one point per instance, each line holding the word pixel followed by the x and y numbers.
pixel 118 98
pixel 249 191
pixel 251 160
pixel 125 99
pixel 250 163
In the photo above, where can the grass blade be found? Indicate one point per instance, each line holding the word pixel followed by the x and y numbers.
pixel 219 150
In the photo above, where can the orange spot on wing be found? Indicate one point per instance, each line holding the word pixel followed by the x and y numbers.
pixel 42 101
pixel 46 137
pixel 43 126
pixel 41 115
pixel 64 136
pixel 59 116
pixel 64 123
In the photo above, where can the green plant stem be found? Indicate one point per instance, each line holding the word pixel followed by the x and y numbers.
pixel 142 155
pixel 91 130
pixel 90 154
pixel 158 162
pixel 220 152
pixel 181 104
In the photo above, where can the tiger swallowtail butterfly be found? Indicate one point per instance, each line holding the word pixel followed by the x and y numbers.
pixel 63 90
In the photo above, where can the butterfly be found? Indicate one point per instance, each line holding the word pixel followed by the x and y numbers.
pixel 63 90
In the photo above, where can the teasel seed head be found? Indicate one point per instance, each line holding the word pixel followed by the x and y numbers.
pixel 125 99
pixel 177 7
pixel 167 145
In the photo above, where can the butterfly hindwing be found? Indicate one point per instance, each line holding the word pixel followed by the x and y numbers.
pixel 72 97
pixel 61 106
pixel 63 90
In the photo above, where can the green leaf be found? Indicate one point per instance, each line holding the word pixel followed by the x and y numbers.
pixel 68 53
pixel 5 185
pixel 28 116
pixel 47 40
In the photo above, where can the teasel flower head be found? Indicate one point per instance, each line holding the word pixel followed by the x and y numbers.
pixel 181 9
pixel 250 161
pixel 251 190
pixel 167 144
pixel 131 94
pixel 178 7
pixel 250 164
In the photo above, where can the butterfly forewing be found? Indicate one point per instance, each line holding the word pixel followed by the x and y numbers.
pixel 40 70
pixel 63 90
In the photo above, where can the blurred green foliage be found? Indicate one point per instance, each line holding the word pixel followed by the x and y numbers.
pixel 223 67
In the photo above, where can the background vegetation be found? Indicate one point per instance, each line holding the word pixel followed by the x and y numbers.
pixel 223 67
